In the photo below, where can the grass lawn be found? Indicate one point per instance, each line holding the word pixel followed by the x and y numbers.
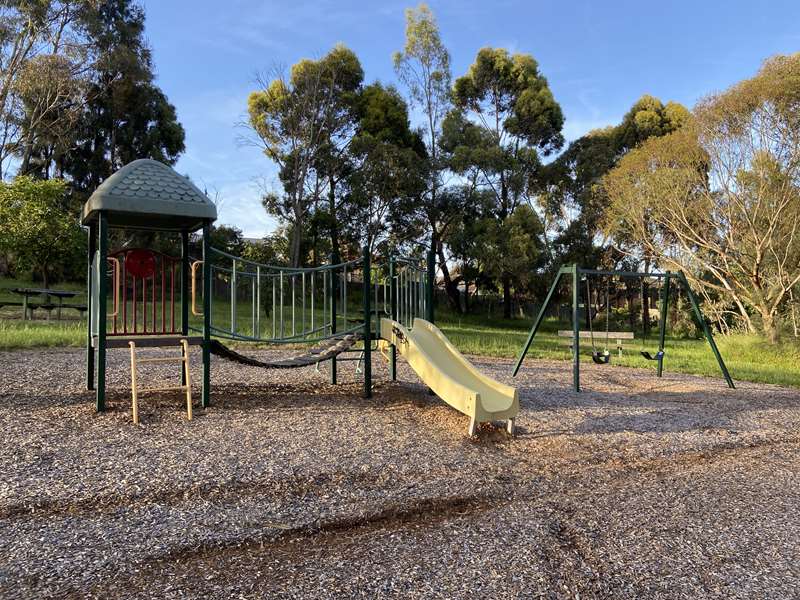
pixel 749 358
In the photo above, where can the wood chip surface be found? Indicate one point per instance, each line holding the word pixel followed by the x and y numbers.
pixel 289 487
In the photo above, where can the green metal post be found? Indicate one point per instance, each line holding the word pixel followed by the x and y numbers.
pixel 89 293
pixel 537 322
pixel 184 292
pixel 206 394
pixel 333 292
pixel 367 326
pixel 431 268
pixel 393 313
pixel 185 282
pixel 706 330
pixel 102 308
pixel 662 323
pixel 576 349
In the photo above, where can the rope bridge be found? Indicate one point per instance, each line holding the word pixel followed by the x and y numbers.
pixel 325 305
pixel 327 350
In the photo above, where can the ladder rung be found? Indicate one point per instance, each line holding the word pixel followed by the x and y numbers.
pixel 158 360
pixel 181 388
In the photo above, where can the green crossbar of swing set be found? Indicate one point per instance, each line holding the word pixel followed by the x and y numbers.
pixel 575 273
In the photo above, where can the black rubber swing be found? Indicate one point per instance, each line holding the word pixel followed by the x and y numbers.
pixel 599 357
pixel 659 355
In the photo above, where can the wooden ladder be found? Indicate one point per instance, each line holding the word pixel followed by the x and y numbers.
pixel 187 387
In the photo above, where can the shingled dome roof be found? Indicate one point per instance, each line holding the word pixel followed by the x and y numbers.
pixel 147 194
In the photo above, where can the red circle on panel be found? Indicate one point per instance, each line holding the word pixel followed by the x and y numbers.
pixel 140 263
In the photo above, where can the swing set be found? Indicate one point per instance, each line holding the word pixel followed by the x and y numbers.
pixel 603 357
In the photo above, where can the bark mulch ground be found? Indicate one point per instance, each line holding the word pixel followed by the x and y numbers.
pixel 289 487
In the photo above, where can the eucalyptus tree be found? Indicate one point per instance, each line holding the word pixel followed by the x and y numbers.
pixel 423 66
pixel 32 32
pixel 720 197
pixel 575 200
pixel 300 122
pixel 388 176
pixel 504 120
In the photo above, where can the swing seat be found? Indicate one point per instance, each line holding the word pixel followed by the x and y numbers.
pixel 601 358
pixel 658 355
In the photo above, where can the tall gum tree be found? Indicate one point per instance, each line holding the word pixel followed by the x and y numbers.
pixel 298 120
pixel 720 197
pixel 423 67
pixel 504 120
pixel 575 201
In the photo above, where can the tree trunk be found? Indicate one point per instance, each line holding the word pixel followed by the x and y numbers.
pixel 629 296
pixel 506 296
pixel 296 243
pixel 334 220
pixel 450 287
pixel 646 300
pixel 770 325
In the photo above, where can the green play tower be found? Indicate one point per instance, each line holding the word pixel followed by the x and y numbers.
pixel 140 284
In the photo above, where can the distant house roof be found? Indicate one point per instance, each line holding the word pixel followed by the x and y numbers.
pixel 147 194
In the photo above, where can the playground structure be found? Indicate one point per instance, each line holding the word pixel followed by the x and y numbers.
pixel 577 275
pixel 133 293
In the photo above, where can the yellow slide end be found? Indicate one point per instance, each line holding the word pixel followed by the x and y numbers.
pixel 451 376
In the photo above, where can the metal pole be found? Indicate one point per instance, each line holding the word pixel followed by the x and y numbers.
pixel 294 285
pixel 662 324
pixel 281 319
pixel 537 322
pixel 706 330
pixel 332 280
pixel 184 283
pixel 576 351
pixel 367 326
pixel 313 291
pixel 254 331
pixel 92 248
pixel 258 300
pixel 102 307
pixel 344 295
pixel 233 296
pixel 431 264
pixel 274 307
pixel 393 314
pixel 206 394
pixel 184 293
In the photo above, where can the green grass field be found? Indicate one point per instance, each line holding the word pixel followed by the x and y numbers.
pixel 749 357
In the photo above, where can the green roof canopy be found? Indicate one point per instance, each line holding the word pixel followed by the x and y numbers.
pixel 147 194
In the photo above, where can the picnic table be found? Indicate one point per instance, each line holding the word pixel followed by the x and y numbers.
pixel 59 295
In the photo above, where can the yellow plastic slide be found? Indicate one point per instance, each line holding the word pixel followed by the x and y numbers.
pixel 451 376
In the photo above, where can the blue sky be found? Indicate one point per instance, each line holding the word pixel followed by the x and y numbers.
pixel 599 57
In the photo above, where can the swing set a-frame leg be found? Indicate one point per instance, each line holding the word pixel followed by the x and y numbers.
pixel 539 319
pixel 706 330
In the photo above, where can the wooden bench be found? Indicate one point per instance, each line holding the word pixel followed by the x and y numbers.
pixel 599 337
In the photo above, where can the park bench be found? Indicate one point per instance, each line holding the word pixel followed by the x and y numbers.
pixel 28 305
pixel 599 337
pixel 48 306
